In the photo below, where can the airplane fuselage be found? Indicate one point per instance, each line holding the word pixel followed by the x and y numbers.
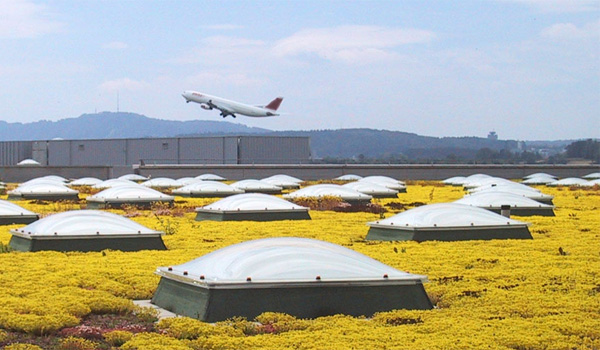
pixel 228 107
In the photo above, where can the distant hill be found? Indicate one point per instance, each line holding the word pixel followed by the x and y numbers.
pixel 343 143
pixel 348 143
pixel 115 125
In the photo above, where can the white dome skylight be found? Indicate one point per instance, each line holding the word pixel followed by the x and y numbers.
pixel 162 182
pixel 329 190
pixel 371 189
pixel 78 223
pixel 252 202
pixel 442 216
pixel 210 177
pixel 207 187
pixel 85 181
pixel 498 199
pixel 284 260
pixel 252 185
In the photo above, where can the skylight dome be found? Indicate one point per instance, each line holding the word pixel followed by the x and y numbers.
pixel 454 181
pixel 538 180
pixel 386 181
pixel 299 276
pixel 569 181
pixel 110 183
pixel 254 207
pixel 162 182
pixel 44 190
pixel 85 181
pixel 210 177
pixel 85 230
pixel 29 162
pixel 283 181
pixel 252 185
pixel 133 177
pixel 13 214
pixel 328 190
pixel 519 205
pixel 372 189
pixel 348 177
pixel 592 176
pixel 206 189
pixel 447 222
pixel 133 195
pixel 539 175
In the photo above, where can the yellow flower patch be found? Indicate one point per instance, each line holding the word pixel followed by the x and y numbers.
pixel 501 294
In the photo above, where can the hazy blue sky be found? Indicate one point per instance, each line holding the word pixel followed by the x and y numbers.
pixel 528 69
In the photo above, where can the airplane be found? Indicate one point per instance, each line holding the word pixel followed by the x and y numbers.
pixel 228 107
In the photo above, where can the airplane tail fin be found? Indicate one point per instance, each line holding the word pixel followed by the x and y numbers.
pixel 273 105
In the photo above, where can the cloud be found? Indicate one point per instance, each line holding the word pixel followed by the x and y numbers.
pixel 569 31
pixel 216 50
pixel 115 45
pixel 24 19
pixel 561 6
pixel 350 44
pixel 123 84
pixel 224 79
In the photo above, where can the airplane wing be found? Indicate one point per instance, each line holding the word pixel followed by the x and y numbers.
pixel 224 111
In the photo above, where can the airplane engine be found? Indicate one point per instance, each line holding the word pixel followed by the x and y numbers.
pixel 207 107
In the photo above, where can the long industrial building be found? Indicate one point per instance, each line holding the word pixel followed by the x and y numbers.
pixel 175 150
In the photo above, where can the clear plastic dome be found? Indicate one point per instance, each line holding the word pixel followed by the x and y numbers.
pixel 325 190
pixel 110 183
pixel 455 180
pixel 84 223
pixel 286 260
pixel 207 187
pixel 531 194
pixel 210 177
pixel 495 200
pixel 592 176
pixel 538 180
pixel 162 182
pixel 539 175
pixel 569 181
pixel 371 189
pixel 85 181
pixel 446 215
pixel 9 209
pixel 131 192
pixel 43 187
pixel 385 181
pixel 283 181
pixel 349 177
pixel 252 202
pixel 133 177
pixel 255 185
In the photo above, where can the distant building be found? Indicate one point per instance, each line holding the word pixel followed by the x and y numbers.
pixel 492 136
pixel 175 150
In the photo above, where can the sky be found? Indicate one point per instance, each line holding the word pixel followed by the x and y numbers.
pixel 527 69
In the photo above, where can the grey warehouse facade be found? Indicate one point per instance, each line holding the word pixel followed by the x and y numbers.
pixel 174 150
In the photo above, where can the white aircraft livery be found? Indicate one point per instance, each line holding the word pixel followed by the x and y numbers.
pixel 232 108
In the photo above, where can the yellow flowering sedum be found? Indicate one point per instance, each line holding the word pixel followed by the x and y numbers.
pixel 502 294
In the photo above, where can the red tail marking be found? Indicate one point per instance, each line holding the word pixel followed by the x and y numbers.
pixel 273 105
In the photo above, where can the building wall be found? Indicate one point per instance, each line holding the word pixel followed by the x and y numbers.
pixel 192 150
pixel 273 150
pixel 12 152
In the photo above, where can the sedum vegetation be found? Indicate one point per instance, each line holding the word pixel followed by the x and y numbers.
pixel 502 294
